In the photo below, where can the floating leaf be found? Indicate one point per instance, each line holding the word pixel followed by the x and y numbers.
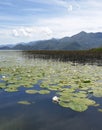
pixel 72 84
pixel 2 85
pixel 11 89
pixel 80 95
pixel 64 104
pixel 31 91
pixel 24 102
pixel 76 103
pixel 97 92
pixel 79 107
pixel 44 92
pixel 100 110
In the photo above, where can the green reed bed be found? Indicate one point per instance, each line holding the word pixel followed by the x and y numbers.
pixel 82 56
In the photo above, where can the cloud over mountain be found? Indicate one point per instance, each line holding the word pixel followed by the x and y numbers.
pixel 27 20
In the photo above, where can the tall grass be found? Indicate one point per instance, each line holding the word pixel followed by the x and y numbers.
pixel 90 56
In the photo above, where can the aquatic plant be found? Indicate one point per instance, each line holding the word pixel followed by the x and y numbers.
pixel 55 99
pixel 24 102
pixel 43 92
pixel 100 110
pixel 31 91
pixel 73 84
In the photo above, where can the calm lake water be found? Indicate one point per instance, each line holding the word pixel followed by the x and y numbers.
pixel 42 114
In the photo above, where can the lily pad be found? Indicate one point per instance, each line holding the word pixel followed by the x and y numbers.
pixel 64 104
pixel 31 91
pixel 100 110
pixel 72 84
pixel 76 103
pixel 79 107
pixel 97 92
pixel 44 92
pixel 24 102
pixel 2 85
pixel 11 89
pixel 80 95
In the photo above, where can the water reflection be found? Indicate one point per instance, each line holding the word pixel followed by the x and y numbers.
pixel 43 115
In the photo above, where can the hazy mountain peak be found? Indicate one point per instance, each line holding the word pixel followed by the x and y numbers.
pixel 82 32
pixel 80 41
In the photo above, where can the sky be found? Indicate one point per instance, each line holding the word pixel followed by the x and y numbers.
pixel 32 20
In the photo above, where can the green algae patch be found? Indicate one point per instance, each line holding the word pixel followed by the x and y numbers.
pixel 24 102
pixel 31 91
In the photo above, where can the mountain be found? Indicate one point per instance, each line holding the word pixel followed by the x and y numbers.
pixel 88 40
pixel 80 41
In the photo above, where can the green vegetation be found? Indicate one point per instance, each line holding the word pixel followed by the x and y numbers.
pixel 24 102
pixel 44 92
pixel 82 56
pixel 97 49
pixel 31 91
pixel 73 84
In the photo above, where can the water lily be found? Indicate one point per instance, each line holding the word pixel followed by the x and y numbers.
pixel 55 99
pixel 3 76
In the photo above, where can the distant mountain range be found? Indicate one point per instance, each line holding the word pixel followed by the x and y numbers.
pixel 80 41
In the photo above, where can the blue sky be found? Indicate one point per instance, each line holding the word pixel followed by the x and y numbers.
pixel 31 20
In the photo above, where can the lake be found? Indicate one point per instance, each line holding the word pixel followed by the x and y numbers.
pixel 23 109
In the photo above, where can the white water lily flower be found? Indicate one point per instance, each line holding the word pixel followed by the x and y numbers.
pixel 55 99
pixel 3 77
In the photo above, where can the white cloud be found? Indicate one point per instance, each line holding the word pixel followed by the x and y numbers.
pixel 31 31
pixel 68 26
pixel 46 30
pixel 15 33
pixel 52 27
pixel 70 17
pixel 70 7
pixel 19 34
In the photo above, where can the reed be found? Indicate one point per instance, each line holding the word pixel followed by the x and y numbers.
pixel 82 56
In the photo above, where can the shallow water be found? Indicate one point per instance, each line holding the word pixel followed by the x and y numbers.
pixel 42 114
